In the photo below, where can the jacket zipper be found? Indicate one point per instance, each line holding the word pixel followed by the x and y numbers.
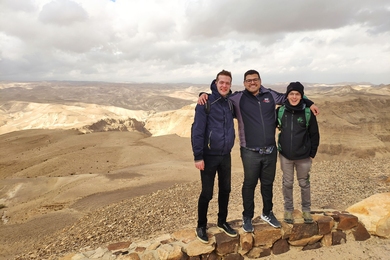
pixel 291 131
pixel 209 142
pixel 262 120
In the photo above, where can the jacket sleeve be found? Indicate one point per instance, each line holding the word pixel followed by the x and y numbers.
pixel 278 97
pixel 198 130
pixel 307 101
pixel 314 135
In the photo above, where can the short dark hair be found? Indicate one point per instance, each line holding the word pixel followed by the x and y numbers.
pixel 251 72
pixel 225 73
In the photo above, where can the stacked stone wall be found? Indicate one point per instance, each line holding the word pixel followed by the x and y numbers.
pixel 329 229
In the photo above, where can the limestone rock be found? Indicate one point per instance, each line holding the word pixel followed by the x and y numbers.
pixel 339 237
pixel 327 239
pixel 225 244
pixel 196 248
pixel 169 252
pixel 186 235
pixel 301 230
pixel 334 214
pixel 210 256
pixel 246 241
pixel 286 230
pixel 281 246
pixel 306 241
pixel 131 256
pixel 360 233
pixel 347 221
pixel 374 213
pixel 234 256
pixel 265 235
pixel 257 252
pixel 316 245
pixel 119 246
pixel 325 224
pixel 140 249
pixel 148 255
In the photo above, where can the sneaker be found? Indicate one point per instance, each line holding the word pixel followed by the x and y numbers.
pixel 202 235
pixel 225 227
pixel 307 217
pixel 288 217
pixel 247 225
pixel 270 219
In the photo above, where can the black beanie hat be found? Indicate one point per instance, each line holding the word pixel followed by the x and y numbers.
pixel 297 86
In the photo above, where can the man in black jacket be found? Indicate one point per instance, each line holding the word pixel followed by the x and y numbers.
pixel 298 142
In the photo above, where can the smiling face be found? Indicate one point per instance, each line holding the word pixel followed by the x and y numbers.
pixel 223 85
pixel 252 83
pixel 294 97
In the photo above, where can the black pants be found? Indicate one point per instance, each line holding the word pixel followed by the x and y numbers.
pixel 258 167
pixel 222 166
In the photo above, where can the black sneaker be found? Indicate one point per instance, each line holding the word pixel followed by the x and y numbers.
pixel 270 219
pixel 247 224
pixel 225 227
pixel 202 235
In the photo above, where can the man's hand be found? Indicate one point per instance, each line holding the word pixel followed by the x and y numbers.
pixel 313 109
pixel 202 99
pixel 199 165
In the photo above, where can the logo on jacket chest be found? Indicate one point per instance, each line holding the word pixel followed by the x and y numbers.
pixel 301 121
pixel 266 100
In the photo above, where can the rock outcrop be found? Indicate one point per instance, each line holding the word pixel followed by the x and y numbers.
pixel 374 213
pixel 329 228
pixel 111 124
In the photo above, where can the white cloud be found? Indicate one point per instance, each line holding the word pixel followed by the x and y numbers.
pixel 191 40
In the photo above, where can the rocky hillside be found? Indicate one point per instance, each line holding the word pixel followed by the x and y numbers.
pixel 61 189
pixel 335 185
pixel 66 105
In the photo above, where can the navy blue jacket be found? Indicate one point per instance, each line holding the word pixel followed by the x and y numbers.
pixel 213 134
pixel 296 141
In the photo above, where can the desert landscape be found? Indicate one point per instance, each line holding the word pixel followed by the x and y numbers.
pixel 85 164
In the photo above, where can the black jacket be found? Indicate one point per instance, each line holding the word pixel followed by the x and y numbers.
pixel 296 141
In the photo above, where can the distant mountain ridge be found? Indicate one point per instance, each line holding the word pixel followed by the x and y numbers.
pixel 158 109
pixel 128 96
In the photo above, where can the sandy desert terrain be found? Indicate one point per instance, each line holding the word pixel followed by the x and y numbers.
pixel 76 171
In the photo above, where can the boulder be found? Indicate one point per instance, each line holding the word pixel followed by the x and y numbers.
pixel 374 213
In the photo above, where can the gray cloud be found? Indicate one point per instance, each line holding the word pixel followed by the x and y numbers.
pixel 270 17
pixel 176 40
pixel 62 13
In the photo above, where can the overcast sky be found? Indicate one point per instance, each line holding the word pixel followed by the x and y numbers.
pixel 171 41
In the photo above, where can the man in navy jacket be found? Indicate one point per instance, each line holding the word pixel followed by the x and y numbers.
pixel 212 139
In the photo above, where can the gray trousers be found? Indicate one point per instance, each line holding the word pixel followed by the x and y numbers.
pixel 302 168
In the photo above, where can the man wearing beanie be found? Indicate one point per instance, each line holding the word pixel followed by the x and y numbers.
pixel 297 144
pixel 297 86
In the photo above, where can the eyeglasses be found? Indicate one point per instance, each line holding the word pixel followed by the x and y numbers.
pixel 252 80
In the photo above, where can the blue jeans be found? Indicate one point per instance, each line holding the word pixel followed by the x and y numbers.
pixel 223 166
pixel 258 167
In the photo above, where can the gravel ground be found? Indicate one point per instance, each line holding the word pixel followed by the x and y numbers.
pixel 335 184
